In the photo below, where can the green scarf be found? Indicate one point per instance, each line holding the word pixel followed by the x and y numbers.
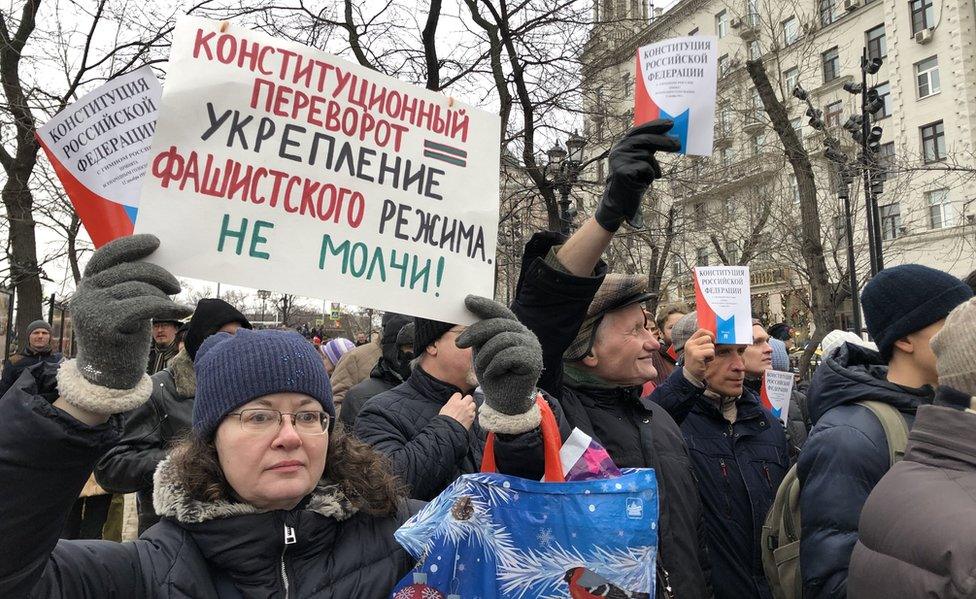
pixel 577 377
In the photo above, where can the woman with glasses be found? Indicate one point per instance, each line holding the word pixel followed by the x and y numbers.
pixel 264 498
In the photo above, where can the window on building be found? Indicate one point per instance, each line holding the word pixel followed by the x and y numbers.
pixel 608 6
pixel 723 65
pixel 792 77
pixel 927 77
pixel 727 156
pixel 758 143
pixel 832 113
pixel 890 220
pixel 701 257
pixel 758 113
pixel 828 12
pixel 794 188
pixel 675 268
pixel 732 253
pixel 933 142
pixel 700 211
pixel 691 33
pixel 923 16
pixel 752 13
pixel 884 92
pixel 941 214
pixel 831 64
pixel 886 155
pixel 791 30
pixel 877 46
pixel 725 118
pixel 722 24
pixel 797 125
pixel 755 51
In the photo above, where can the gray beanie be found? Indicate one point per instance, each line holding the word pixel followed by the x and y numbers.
pixel 683 330
pixel 38 324
pixel 955 349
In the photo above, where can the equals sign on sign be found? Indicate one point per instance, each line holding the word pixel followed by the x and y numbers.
pixel 448 154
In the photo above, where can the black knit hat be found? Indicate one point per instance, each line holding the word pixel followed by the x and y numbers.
pixel 392 323
pixel 209 316
pixel 426 332
pixel 904 299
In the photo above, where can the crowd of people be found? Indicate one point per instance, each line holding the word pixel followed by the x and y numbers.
pixel 268 464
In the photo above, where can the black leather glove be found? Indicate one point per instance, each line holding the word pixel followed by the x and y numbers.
pixel 632 169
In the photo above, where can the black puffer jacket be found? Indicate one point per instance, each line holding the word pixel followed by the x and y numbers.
pixel 636 432
pixel 430 451
pixel 18 363
pixel 382 378
pixel 149 430
pixel 844 458
pixel 739 466
pixel 198 551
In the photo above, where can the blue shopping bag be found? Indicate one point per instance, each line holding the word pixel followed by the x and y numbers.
pixel 492 535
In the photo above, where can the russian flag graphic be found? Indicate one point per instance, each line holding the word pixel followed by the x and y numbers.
pixel 104 219
pixel 707 319
pixel 645 109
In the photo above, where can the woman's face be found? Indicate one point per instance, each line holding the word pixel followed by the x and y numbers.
pixel 271 466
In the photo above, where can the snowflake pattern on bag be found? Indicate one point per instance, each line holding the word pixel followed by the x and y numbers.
pixel 491 535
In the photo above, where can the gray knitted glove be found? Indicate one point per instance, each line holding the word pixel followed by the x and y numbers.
pixel 508 362
pixel 111 310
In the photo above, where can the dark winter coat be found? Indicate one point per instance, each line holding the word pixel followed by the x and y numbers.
pixel 382 378
pixel 14 366
pixel 636 432
pixel 917 535
pixel 160 356
pixel 150 429
pixel 198 551
pixel 739 466
pixel 430 451
pixel 798 419
pixel 844 458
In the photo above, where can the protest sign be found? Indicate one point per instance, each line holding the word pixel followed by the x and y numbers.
pixel 676 79
pixel 99 146
pixel 775 394
pixel 278 166
pixel 723 303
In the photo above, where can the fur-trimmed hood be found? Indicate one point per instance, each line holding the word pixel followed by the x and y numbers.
pixel 184 377
pixel 171 500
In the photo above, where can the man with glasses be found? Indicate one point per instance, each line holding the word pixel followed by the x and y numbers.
pixel 433 426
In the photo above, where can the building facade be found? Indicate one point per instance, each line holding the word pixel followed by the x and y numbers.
pixel 741 205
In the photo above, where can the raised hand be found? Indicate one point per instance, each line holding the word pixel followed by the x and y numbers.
pixel 508 362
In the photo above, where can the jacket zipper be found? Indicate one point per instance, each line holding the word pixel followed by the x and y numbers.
pixel 664 581
pixel 769 480
pixel 728 487
pixel 290 539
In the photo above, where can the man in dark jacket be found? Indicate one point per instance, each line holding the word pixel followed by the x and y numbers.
pixel 599 327
pixel 164 345
pixel 151 428
pixel 433 426
pixel 847 452
pixel 917 534
pixel 391 369
pixel 38 349
pixel 738 448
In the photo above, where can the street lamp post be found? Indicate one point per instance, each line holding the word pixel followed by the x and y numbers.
pixel 263 295
pixel 563 168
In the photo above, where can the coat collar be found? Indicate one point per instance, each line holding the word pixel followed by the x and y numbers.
pixel 170 500
pixel 431 388
pixel 942 436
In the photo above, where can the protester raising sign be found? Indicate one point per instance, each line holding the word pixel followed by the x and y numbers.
pixel 676 79
pixel 777 388
pixel 98 148
pixel 278 166
pixel 723 303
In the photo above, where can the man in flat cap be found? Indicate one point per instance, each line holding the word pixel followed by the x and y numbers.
pixel 597 353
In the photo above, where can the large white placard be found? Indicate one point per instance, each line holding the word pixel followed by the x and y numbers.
pixel 281 167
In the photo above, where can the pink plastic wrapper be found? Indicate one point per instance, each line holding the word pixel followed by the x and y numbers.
pixel 585 459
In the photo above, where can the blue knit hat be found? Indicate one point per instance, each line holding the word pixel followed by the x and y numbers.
pixel 781 357
pixel 235 369
pixel 904 299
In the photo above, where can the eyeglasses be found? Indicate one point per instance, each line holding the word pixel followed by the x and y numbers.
pixel 261 420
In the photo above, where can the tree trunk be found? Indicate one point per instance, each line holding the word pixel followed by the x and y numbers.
pixel 822 300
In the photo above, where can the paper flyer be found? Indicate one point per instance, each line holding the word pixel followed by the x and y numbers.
pixel 99 148
pixel 775 394
pixel 278 166
pixel 677 80
pixel 723 303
